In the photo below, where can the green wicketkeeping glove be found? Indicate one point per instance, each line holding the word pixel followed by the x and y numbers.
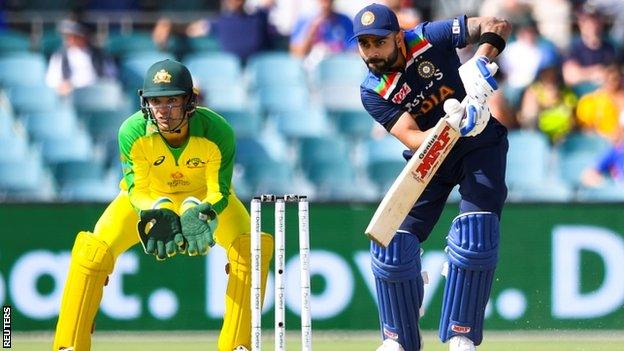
pixel 198 226
pixel 159 230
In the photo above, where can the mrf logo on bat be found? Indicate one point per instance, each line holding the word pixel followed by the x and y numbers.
pixel 430 155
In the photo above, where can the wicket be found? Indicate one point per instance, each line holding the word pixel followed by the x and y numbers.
pixel 280 260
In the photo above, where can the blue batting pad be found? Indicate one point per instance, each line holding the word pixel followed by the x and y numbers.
pixel 472 255
pixel 399 289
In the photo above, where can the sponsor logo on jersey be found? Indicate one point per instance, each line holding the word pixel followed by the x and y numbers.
pixel 161 76
pixel 455 28
pixel 401 94
pixel 423 104
pixel 460 329
pixel 426 69
pixel 159 160
pixel 367 18
pixel 195 162
pixel 177 179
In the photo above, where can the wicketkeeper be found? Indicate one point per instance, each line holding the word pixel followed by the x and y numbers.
pixel 414 77
pixel 176 197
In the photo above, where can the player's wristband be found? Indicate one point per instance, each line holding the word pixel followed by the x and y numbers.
pixel 493 39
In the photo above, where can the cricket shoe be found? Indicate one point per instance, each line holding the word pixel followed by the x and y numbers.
pixel 240 348
pixel 66 349
pixel 461 343
pixel 390 345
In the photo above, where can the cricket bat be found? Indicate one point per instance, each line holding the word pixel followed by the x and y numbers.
pixel 411 182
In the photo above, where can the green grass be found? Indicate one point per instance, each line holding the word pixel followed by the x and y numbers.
pixel 335 341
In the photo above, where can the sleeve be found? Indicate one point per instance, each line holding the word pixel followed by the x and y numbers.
pixel 606 161
pixel 449 34
pixel 384 112
pixel 135 171
pixel 299 31
pixel 54 74
pixel 219 169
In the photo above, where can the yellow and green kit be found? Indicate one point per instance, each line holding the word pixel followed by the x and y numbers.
pixel 201 167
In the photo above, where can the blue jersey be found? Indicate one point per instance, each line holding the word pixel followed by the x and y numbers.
pixel 429 78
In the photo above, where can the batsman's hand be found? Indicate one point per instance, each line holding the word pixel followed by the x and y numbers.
pixel 469 120
pixel 477 74
pixel 198 226
pixel 159 231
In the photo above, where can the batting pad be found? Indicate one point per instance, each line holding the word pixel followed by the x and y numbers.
pixel 399 289
pixel 472 255
pixel 236 330
pixel 91 262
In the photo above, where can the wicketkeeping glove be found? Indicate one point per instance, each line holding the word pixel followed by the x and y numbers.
pixel 159 230
pixel 198 226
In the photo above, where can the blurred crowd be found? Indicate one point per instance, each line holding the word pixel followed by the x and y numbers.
pixel 561 73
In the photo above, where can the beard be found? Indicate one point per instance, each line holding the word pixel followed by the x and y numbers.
pixel 380 66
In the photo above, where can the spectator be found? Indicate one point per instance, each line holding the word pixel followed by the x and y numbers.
pixel 610 166
pixel 547 104
pixel 584 68
pixel 78 63
pixel 407 15
pixel 600 110
pixel 326 32
pixel 520 61
pixel 237 31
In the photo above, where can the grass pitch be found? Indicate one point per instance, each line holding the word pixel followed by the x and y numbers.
pixel 334 341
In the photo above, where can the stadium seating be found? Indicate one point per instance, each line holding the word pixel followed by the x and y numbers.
pixel 384 160
pixel 244 122
pixel 59 149
pixel 122 45
pixel 18 144
pixel 271 69
pixel 13 41
pixel 578 152
pixel 527 158
pixel 49 124
pixel 215 69
pixel 226 97
pixel 356 124
pixel 90 190
pixel 341 69
pixel 300 123
pixel 203 44
pixel 608 192
pixel 67 172
pixel 6 123
pixel 280 98
pixel 22 68
pixel 29 99
pixel 545 190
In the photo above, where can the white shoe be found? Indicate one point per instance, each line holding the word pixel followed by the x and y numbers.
pixel 240 348
pixel 461 343
pixel 390 345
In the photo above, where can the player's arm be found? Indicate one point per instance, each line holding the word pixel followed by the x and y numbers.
pixel 488 47
pixel 219 170
pixel 200 217
pixel 163 236
pixel 408 132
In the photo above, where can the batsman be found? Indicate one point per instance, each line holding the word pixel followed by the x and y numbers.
pixel 176 197
pixel 415 78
